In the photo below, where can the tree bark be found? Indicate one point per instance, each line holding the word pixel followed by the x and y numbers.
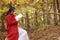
pixel 44 19
pixel 55 16
pixel 27 20
pixel 36 21
pixel 57 1
pixel 48 14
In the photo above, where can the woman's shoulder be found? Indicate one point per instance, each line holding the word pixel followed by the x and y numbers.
pixel 9 15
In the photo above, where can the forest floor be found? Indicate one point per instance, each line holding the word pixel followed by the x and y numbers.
pixel 36 33
pixel 48 33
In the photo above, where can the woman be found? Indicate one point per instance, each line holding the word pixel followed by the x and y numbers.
pixel 13 31
pixel 11 25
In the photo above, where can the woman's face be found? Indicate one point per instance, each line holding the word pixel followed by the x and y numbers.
pixel 13 12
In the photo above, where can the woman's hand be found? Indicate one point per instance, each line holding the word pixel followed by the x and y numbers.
pixel 6 38
pixel 18 17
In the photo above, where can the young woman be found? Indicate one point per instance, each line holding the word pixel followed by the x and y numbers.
pixel 13 31
pixel 11 25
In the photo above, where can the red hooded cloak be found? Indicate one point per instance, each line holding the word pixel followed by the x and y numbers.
pixel 12 27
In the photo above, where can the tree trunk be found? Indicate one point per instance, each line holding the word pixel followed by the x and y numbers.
pixel 22 22
pixel 57 1
pixel 36 21
pixel 48 14
pixel 55 16
pixel 27 20
pixel 44 19
pixel 48 18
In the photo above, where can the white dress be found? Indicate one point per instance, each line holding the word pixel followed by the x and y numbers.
pixel 22 33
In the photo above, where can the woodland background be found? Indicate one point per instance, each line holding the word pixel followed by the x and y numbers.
pixel 42 18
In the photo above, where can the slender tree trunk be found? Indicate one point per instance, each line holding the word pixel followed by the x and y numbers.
pixel 44 19
pixel 57 1
pixel 22 22
pixel 48 14
pixel 36 21
pixel 27 20
pixel 48 18
pixel 55 16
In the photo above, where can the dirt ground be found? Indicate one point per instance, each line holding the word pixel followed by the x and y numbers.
pixel 47 33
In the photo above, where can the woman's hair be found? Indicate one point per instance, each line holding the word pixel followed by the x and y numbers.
pixel 11 9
